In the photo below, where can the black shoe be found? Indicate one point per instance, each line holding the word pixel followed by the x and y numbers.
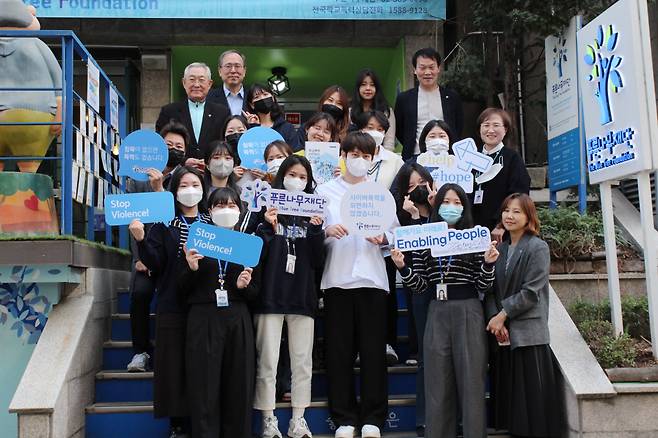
pixel 178 432
pixel 420 431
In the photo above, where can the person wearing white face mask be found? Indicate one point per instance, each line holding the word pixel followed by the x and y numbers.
pixel 356 286
pixel 220 356
pixel 161 250
pixel 293 249
pixel 220 161
pixel 385 166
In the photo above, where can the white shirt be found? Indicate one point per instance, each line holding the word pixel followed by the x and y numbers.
pixel 494 150
pixel 429 108
pixel 385 166
pixel 235 101
pixel 352 262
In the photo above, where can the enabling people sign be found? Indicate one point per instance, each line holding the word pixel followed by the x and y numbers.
pixel 368 209
pixel 141 150
pixel 441 240
pixel 222 244
pixel 149 207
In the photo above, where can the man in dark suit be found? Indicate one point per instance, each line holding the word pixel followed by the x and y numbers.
pixel 425 102
pixel 202 119
pixel 232 67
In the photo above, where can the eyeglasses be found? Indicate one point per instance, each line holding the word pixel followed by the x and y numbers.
pixel 492 125
pixel 193 80
pixel 233 67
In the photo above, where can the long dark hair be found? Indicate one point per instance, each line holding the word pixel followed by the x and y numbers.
pixel 221 146
pixel 466 221
pixel 344 122
pixel 402 187
pixel 175 183
pixel 257 89
pixel 287 164
pixel 379 102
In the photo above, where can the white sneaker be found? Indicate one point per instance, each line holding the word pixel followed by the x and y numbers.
pixel 271 427
pixel 344 432
pixel 139 362
pixel 391 355
pixel 370 431
pixel 297 428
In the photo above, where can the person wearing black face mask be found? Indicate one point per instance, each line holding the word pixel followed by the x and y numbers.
pixel 265 111
pixel 335 102
pixel 142 285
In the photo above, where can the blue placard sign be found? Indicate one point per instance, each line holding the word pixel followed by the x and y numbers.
pixel 141 150
pixel 252 144
pixel 222 244
pixel 149 207
pixel 564 161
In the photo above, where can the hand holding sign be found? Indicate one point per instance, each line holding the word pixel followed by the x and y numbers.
pixel 141 150
pixel 244 278
pixel 491 255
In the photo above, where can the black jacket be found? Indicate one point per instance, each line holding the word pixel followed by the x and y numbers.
pixel 199 286
pixel 406 117
pixel 217 96
pixel 214 118
pixel 512 178
pixel 285 293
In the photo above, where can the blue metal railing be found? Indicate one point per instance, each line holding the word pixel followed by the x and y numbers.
pixel 73 50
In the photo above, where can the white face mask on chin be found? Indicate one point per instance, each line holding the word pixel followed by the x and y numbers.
pixel 225 217
pixel 357 167
pixel 189 196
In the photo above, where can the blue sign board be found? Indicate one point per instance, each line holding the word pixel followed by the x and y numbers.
pixel 222 244
pixel 149 207
pixel 252 9
pixel 252 144
pixel 141 150
pixel 564 160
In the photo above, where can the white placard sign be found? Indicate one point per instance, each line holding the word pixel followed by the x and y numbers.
pixel 367 209
pixel 616 82
pixel 93 86
pixel 455 242
pixel 323 157
pixel 417 237
pixel 445 169
pixel 296 203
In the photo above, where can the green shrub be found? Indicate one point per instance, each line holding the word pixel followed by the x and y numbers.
pixel 635 313
pixel 583 311
pixel 570 234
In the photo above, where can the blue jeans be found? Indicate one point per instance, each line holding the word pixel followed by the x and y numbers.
pixel 420 303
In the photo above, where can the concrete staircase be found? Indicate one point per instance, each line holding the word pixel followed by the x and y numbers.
pixel 123 404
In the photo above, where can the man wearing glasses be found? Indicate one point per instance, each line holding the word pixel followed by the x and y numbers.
pixel 232 69
pixel 203 119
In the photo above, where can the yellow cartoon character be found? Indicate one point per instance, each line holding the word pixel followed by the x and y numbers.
pixel 27 63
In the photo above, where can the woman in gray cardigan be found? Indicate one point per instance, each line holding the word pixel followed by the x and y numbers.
pixel 524 389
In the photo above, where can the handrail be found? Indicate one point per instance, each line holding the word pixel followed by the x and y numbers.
pixel 73 49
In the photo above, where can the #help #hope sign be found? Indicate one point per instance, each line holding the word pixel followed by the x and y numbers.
pixel 222 244
pixel 148 207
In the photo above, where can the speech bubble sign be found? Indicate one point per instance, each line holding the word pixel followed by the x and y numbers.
pixel 417 237
pixel 470 158
pixel 252 144
pixel 297 203
pixel 149 207
pixel 222 244
pixel 455 242
pixel 141 150
pixel 367 209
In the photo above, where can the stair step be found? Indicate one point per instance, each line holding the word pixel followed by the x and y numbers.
pixel 121 330
pixel 120 386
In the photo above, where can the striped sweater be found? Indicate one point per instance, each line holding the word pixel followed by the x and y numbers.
pixel 423 271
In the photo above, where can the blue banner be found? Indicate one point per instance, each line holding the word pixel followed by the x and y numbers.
pixel 222 244
pixel 564 160
pixel 148 207
pixel 141 150
pixel 251 9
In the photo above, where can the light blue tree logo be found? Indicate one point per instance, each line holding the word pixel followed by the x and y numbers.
pixel 559 53
pixel 255 194
pixel 604 69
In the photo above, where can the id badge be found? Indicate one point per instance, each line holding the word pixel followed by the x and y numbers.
pixel 290 263
pixel 479 196
pixel 442 292
pixel 222 297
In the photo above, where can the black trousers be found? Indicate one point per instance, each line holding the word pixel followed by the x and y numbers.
pixel 142 290
pixel 392 312
pixel 355 322
pixel 220 361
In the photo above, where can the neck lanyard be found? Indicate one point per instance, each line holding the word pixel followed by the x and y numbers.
pixel 184 222
pixel 377 167
pixel 444 274
pixel 222 272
